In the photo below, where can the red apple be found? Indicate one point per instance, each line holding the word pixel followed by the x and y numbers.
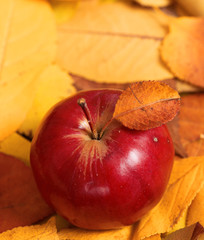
pixel 99 183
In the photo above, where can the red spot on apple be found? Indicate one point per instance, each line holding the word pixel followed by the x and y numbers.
pixel 99 183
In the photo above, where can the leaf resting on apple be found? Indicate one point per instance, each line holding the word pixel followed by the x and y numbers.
pixel 146 105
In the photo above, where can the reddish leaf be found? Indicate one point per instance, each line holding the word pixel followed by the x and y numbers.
pixel 146 105
pixel 20 201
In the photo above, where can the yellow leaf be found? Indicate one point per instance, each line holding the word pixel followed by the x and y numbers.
pixel 182 49
pixel 16 146
pixel 46 231
pixel 195 8
pixel 112 21
pixel 196 210
pixel 154 3
pixel 174 203
pixel 80 234
pixel 180 224
pixel 114 43
pixel 53 86
pixel 27 45
pixel 181 167
pixel 64 10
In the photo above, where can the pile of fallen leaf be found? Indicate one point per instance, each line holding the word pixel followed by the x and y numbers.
pixel 51 49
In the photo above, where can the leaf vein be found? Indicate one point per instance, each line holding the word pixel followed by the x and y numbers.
pixel 145 105
pixel 113 34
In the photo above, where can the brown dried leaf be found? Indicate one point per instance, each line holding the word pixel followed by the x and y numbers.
pixel 145 105
pixel 174 203
pixel 192 124
pixel 115 43
pixel 82 83
pixel 188 233
pixel 196 210
pixel 20 201
pixel 46 231
pixel 182 49
pixel 80 234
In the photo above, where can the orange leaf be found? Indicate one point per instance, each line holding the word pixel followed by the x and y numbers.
pixel 20 200
pixel 146 105
pixel 183 51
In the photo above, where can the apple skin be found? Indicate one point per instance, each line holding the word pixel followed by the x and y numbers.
pixel 99 184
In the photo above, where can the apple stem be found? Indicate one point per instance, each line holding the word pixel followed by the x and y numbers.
pixel 82 103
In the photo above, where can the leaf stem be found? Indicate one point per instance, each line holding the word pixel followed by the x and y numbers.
pixel 82 103
pixel 104 127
